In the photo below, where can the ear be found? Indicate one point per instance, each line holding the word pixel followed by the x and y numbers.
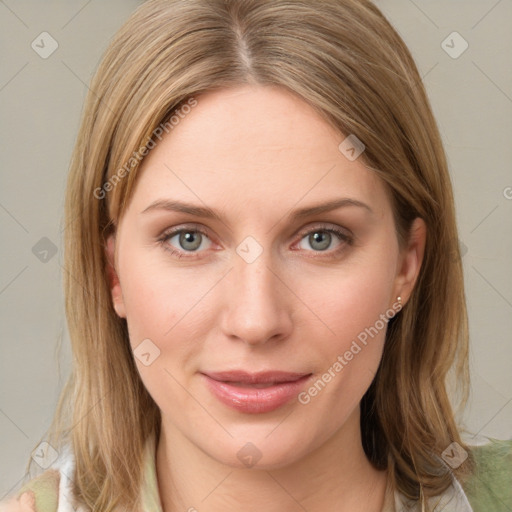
pixel 410 261
pixel 114 284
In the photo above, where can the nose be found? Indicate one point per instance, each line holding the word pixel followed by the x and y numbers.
pixel 257 303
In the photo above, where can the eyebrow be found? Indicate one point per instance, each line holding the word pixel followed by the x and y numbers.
pixel 208 213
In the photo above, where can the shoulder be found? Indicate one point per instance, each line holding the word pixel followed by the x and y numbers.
pixel 40 494
pixel 490 486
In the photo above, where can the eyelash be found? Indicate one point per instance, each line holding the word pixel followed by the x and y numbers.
pixel 163 239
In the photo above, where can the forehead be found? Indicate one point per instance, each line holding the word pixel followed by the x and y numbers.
pixel 254 145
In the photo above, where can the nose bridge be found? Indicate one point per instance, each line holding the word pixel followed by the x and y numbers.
pixel 256 308
pixel 252 263
pixel 255 279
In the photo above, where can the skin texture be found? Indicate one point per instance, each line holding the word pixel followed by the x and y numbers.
pixel 254 154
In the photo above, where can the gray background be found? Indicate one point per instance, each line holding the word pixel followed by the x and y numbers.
pixel 40 103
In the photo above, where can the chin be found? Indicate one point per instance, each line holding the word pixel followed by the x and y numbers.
pixel 265 449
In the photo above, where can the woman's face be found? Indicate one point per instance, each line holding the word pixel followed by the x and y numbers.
pixel 260 285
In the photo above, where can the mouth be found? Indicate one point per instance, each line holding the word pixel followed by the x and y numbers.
pixel 252 386
pixel 255 393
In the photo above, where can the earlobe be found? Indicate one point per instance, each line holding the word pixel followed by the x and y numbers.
pixel 113 279
pixel 411 260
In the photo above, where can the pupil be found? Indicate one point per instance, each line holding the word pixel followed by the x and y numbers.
pixel 188 237
pixel 320 237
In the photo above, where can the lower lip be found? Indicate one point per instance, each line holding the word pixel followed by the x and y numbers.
pixel 255 400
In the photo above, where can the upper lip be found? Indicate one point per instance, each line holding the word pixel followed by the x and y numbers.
pixel 272 376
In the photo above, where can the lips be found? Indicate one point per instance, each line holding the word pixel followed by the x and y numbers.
pixel 268 377
pixel 255 392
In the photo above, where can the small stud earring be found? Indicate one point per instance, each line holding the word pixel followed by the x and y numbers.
pixel 399 299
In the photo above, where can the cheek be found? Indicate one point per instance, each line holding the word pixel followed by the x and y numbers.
pixel 354 307
pixel 171 307
pixel 159 299
pixel 161 312
pixel 352 300
pixel 346 357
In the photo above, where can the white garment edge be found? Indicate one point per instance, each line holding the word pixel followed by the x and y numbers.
pixel 65 464
pixel 452 499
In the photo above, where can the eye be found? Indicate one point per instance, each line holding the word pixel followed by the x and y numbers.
pixel 187 240
pixel 321 238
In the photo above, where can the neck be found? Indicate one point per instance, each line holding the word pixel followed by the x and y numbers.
pixel 334 476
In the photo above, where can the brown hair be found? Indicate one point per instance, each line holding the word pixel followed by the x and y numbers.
pixel 342 57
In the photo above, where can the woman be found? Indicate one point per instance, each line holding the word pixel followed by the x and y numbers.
pixel 262 294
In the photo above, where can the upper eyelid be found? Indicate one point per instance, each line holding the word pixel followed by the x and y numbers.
pixel 324 226
pixel 197 227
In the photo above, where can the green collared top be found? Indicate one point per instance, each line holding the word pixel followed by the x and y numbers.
pixel 489 489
